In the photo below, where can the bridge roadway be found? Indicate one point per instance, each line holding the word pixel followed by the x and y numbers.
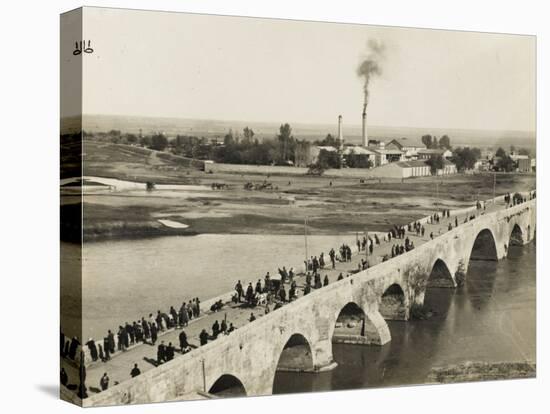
pixel 401 282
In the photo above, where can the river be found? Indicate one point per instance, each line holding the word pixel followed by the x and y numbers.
pixel 127 279
pixel 490 319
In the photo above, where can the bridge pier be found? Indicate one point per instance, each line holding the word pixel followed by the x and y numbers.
pixel 324 360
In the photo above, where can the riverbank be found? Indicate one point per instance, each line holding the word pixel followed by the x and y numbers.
pixel 330 205
pixel 482 371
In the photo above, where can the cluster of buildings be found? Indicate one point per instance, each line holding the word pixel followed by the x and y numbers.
pixel 489 161
pixel 397 158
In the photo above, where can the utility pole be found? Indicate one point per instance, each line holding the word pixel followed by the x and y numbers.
pixel 494 186
pixel 305 237
pixel 203 376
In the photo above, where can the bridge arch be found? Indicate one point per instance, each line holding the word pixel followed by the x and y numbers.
pixel 440 276
pixel 353 326
pixel 516 236
pixel 484 246
pixel 228 386
pixel 393 303
pixel 296 355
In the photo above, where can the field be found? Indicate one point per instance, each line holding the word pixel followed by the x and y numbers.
pixel 330 205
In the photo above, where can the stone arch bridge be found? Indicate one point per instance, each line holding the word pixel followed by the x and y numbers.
pixel 299 336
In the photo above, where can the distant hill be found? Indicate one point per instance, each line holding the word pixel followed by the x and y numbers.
pixel 352 133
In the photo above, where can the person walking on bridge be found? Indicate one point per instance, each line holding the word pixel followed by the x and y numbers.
pixel 104 382
pixel 92 348
pixel 161 353
pixel 332 255
pixel 249 293
pixel 183 341
pixel 135 371
pixel 203 337
pixel 184 316
pixel 282 293
pixel 154 333
pixel 215 329
pixel 258 289
pixel 239 290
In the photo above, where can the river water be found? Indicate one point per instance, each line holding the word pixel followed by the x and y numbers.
pixel 125 280
pixel 490 319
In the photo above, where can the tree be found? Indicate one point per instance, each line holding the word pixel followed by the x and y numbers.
pixel 329 141
pixel 285 137
pixel 445 142
pixel 248 134
pixel 505 164
pixel 500 152
pixel 436 162
pixel 159 142
pixel 328 159
pixel 131 138
pixel 354 160
pixel 524 151
pixel 427 140
pixel 466 158
pixel 228 138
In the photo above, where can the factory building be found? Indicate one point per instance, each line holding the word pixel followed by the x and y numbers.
pixel 410 169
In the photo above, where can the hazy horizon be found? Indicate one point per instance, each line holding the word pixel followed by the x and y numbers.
pixel 215 128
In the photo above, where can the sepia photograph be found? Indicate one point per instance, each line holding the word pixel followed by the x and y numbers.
pixel 259 206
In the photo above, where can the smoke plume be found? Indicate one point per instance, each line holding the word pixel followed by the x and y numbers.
pixel 371 66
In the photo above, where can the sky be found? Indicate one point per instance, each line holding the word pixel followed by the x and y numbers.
pixel 160 64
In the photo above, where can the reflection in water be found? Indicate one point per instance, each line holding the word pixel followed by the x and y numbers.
pixel 491 318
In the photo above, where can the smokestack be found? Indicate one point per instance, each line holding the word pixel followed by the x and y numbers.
pixel 365 134
pixel 340 132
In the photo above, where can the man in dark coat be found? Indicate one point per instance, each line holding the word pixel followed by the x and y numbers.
pixel 111 339
pixel 258 289
pixel 131 334
pixel 107 348
pixel 249 293
pixel 197 307
pixel 73 347
pixel 62 345
pixel 153 333
pixel 169 352
pixel 203 337
pixel 161 353
pixel 282 293
pixel 215 329
pixel 223 326
pixel 135 371
pixel 183 341
pixel 239 290
pixel 174 316
pixel 104 382
pixel 145 327
pixel 64 377
pixel 93 349
pixel 325 281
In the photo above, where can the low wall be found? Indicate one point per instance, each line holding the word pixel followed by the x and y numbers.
pixel 281 170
